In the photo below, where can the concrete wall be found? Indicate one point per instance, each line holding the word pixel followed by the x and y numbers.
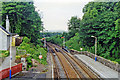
pixel 102 60
pixel 0 40
pixel 8 42
pixel 3 41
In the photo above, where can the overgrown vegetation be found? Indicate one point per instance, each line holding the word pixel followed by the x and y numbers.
pixel 33 51
pixel 100 19
pixel 25 21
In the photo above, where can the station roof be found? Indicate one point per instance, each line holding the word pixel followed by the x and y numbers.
pixel 4 30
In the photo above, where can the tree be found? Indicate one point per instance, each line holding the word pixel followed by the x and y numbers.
pixel 24 20
pixel 100 19
pixel 73 26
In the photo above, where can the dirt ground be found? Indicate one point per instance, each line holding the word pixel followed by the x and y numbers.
pixel 39 68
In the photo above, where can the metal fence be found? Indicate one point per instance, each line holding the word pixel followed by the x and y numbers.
pixel 5 73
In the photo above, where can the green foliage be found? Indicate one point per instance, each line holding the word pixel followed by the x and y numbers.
pixel 100 19
pixel 73 43
pixel 18 57
pixel 43 53
pixel 118 60
pixel 26 40
pixel 29 62
pixel 56 39
pixel 4 53
pixel 49 34
pixel 73 26
pixel 24 20
pixel 117 27
pixel 34 51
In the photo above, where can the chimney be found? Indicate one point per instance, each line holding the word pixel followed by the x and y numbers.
pixel 7 23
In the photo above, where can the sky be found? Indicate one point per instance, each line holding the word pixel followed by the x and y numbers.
pixel 56 13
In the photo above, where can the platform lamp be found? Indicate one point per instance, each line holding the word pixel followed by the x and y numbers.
pixel 7 28
pixel 10 74
pixel 95 47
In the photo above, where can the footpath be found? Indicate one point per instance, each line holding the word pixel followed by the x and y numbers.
pixel 6 62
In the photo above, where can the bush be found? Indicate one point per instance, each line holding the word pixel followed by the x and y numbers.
pixel 26 40
pixel 4 53
pixel 29 62
pixel 34 51
pixel 18 57
pixel 118 60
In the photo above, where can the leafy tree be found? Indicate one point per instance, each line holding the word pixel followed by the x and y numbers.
pixel 73 26
pixel 24 20
pixel 100 19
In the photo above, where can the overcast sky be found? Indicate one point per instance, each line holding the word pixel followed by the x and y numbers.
pixel 56 13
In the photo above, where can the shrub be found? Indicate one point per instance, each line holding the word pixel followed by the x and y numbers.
pixel 18 57
pixel 29 62
pixel 34 51
pixel 118 60
pixel 4 53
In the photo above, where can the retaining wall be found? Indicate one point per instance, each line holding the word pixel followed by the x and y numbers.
pixel 102 60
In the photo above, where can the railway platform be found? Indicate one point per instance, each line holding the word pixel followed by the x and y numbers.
pixel 99 68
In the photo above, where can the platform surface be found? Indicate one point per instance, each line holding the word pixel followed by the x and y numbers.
pixel 102 70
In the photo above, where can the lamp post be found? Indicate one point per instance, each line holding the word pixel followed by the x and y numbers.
pixel 7 28
pixel 95 47
pixel 10 55
pixel 11 37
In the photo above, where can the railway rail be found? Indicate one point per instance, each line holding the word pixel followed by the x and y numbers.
pixel 55 67
pixel 72 67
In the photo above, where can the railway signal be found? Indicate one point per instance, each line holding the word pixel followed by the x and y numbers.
pixel 43 38
pixel 63 41
pixel 44 42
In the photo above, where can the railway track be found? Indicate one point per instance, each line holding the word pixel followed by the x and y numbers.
pixel 58 71
pixel 72 67
pixel 55 67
